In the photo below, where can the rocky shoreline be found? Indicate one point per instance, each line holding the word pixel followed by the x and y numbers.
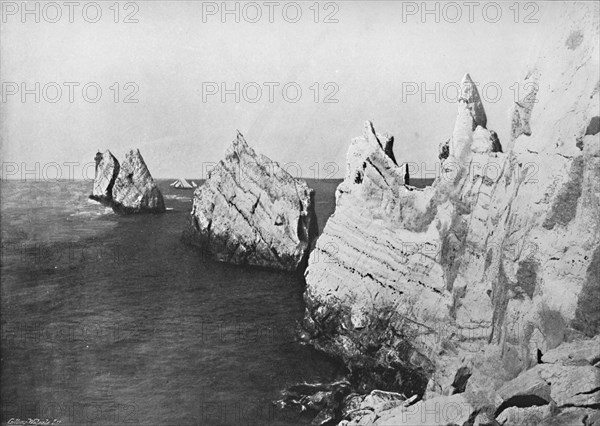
pixel 470 302
pixel 480 292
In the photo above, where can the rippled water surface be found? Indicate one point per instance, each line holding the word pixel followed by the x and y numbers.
pixel 111 320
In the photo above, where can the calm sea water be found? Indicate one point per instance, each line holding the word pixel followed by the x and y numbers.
pixel 112 320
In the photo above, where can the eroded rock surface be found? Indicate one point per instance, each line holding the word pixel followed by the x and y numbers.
pixel 127 187
pixel 134 190
pixel 489 269
pixel 251 211
pixel 107 170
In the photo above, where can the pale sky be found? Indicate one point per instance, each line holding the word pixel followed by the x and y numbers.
pixel 370 57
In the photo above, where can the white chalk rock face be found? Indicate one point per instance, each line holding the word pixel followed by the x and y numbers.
pixel 563 76
pixel 495 261
pixel 482 141
pixel 107 170
pixel 134 190
pixel 251 211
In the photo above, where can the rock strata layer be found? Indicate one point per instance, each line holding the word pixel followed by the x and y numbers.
pixel 453 291
pixel 250 211
pixel 127 187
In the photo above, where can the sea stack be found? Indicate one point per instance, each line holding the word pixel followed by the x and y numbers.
pixel 134 190
pixel 127 187
pixel 462 293
pixel 107 170
pixel 250 211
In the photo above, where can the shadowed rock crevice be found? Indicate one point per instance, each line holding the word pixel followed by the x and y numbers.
pixel 496 146
pixel 526 278
pixel 444 150
pixel 453 247
pixel 564 209
pixel 594 127
pixel 461 378
pixel 389 148
pixel 587 315
pixel 522 401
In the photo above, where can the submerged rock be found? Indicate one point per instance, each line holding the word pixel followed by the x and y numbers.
pixel 486 271
pixel 323 400
pixel 127 187
pixel 251 211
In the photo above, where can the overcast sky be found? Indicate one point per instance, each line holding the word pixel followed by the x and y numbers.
pixel 178 53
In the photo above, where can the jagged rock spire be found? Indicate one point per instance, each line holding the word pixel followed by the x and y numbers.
pixel 107 169
pixel 388 140
pixel 369 133
pixel 470 132
pixel 470 95
pixel 134 190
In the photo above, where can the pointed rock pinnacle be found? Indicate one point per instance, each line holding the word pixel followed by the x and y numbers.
pixel 369 133
pixel 470 95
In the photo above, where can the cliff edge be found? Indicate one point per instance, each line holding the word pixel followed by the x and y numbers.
pixel 457 291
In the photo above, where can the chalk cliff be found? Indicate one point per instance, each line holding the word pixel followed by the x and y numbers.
pixel 127 187
pixel 251 211
pixel 452 291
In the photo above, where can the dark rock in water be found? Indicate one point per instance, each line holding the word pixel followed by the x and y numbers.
pixel 107 170
pixel 134 190
pixel 324 400
pixel 251 211
pixel 128 187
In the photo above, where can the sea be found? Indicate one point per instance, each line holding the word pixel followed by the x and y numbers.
pixel 110 319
